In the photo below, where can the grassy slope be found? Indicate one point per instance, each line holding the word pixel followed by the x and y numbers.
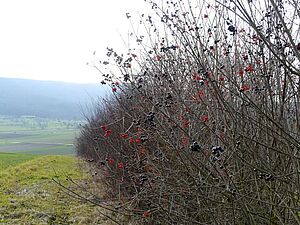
pixel 29 196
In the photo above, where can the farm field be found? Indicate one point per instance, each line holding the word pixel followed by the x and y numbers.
pixel 37 136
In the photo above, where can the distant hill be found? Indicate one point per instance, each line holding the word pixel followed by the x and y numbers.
pixel 48 99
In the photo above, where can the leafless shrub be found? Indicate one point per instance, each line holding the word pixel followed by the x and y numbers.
pixel 206 129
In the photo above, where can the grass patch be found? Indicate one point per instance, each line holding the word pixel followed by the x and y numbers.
pixel 10 159
pixel 28 194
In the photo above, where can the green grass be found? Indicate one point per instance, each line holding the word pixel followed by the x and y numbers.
pixel 28 194
pixel 9 159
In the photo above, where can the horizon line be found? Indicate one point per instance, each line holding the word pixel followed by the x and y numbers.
pixel 48 80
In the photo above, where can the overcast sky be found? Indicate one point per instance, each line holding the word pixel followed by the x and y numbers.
pixel 54 39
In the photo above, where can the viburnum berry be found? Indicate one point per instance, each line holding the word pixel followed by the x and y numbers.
pixel 204 118
pixel 249 68
pixel 107 133
pixel 245 88
pixel 217 150
pixel 120 166
pixel 195 147
pixel 150 116
pixel 220 149
pixel 222 78
pixel 232 29
pixel 125 136
pixel 110 161
pixel 214 149
pixel 197 77
pixel 104 127
pixel 241 73
pixel 157 58
pixel 146 214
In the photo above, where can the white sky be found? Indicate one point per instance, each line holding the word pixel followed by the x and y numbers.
pixel 54 39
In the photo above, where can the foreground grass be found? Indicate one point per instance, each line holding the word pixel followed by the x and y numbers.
pixel 28 194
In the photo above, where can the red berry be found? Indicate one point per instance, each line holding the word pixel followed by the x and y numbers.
pixel 120 166
pixel 146 214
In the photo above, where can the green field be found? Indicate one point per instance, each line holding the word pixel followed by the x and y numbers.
pixel 37 136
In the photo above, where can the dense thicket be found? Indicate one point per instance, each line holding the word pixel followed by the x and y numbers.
pixel 203 125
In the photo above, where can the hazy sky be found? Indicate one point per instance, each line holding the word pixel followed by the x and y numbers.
pixel 54 39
